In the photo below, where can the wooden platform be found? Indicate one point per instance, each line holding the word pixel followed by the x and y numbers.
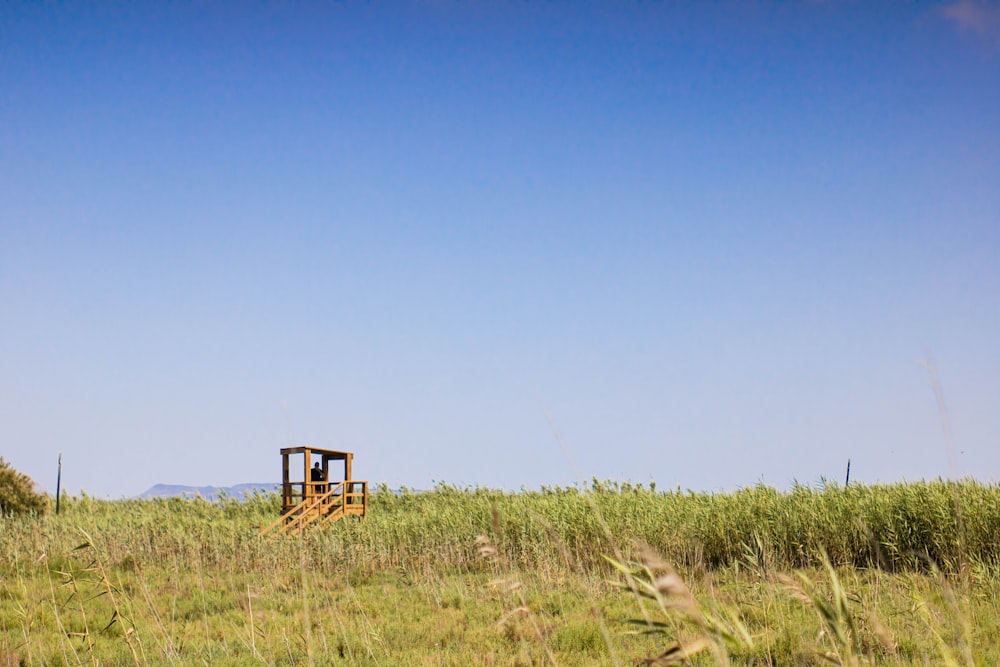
pixel 317 499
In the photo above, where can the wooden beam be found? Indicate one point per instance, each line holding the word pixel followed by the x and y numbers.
pixel 308 489
pixel 286 487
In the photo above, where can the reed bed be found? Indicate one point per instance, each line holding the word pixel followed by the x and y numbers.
pixel 896 527
pixel 889 574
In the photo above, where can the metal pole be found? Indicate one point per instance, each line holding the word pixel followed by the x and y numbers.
pixel 847 480
pixel 58 482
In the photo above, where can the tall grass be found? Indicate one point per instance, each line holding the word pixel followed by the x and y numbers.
pixel 895 527
pixel 186 581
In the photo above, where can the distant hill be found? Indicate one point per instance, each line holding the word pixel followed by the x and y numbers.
pixel 239 491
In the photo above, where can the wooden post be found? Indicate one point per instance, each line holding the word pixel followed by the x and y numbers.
pixel 307 487
pixel 58 483
pixel 286 487
pixel 847 480
pixel 348 488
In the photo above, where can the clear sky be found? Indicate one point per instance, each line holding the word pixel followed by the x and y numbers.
pixel 710 240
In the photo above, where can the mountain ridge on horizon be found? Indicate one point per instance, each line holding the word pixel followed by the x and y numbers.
pixel 237 491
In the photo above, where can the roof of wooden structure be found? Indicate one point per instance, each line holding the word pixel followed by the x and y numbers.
pixel 330 454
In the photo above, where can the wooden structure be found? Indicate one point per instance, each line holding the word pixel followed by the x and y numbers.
pixel 310 496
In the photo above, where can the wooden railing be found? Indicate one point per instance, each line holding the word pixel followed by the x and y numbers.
pixel 319 501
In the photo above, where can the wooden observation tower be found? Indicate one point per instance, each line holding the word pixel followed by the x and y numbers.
pixel 310 496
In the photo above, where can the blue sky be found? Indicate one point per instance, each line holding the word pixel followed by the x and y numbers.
pixel 710 241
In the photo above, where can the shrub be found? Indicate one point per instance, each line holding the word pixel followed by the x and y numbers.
pixel 17 492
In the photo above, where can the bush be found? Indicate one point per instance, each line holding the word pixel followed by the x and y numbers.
pixel 17 492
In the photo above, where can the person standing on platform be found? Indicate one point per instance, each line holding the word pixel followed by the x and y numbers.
pixel 317 475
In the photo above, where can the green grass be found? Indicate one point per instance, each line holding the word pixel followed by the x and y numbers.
pixel 895 574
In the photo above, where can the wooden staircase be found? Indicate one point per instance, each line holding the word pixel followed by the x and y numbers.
pixel 317 505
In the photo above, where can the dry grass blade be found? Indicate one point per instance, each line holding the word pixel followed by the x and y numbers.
pixel 655 579
pixel 485 548
pixel 835 614
pixel 678 653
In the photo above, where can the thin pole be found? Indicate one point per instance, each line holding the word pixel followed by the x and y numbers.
pixel 847 480
pixel 58 482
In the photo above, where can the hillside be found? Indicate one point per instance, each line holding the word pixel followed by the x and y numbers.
pixel 239 491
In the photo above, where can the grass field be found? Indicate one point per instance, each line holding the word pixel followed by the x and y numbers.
pixel 895 574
